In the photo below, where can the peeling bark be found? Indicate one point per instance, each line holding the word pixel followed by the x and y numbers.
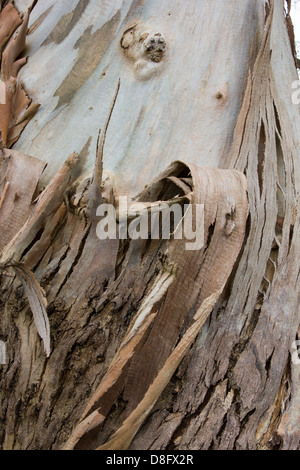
pixel 17 108
pixel 154 346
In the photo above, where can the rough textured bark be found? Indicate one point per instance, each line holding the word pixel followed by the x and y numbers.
pixel 151 346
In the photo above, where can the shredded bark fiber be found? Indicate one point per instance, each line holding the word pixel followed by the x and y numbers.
pixel 146 345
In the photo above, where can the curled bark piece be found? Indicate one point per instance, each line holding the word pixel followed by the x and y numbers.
pixel 223 194
pixel 147 207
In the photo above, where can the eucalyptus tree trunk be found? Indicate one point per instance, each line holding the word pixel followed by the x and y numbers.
pixel 146 344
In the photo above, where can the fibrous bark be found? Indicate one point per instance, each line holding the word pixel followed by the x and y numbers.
pixel 153 346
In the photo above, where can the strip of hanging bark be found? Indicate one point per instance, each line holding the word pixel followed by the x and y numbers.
pixel 37 301
pixel 9 21
pixel 62 230
pixel 16 206
pixel 46 205
pixel 17 110
pixel 95 197
pixel 122 438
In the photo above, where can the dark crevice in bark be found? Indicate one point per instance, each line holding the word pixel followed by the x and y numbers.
pixel 244 339
pixel 291 237
pixel 243 426
pixel 220 432
pixel 48 277
pixel 185 423
pixel 76 260
pixel 228 288
pixel 261 156
pixel 211 230
pixel 277 120
pixel 34 241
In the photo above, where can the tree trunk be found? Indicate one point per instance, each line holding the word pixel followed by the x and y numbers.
pixel 147 344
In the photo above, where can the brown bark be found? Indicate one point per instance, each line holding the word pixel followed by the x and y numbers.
pixel 153 346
